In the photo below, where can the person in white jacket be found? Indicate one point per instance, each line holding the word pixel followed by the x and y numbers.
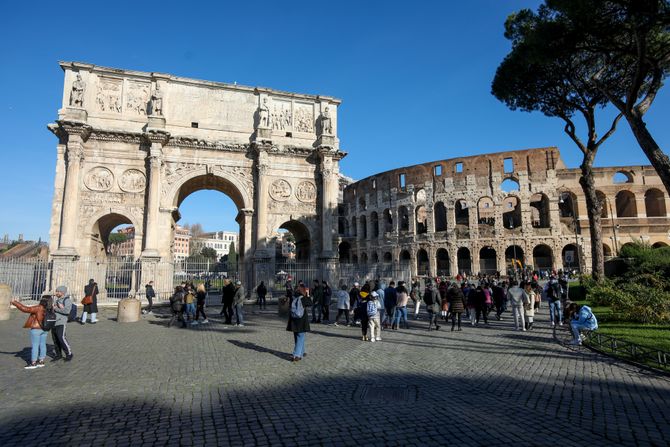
pixel 517 297
pixel 342 297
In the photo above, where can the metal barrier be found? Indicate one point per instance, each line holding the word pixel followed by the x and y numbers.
pixel 628 351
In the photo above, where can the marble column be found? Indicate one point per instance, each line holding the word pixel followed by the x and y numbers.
pixel 153 200
pixel 262 186
pixel 75 158
pixel 329 191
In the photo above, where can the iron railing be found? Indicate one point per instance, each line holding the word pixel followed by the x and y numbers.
pixel 629 351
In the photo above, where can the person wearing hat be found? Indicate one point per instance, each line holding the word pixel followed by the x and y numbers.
pixel 90 290
pixel 354 298
pixel 62 307
pixel 373 317
pixel 238 299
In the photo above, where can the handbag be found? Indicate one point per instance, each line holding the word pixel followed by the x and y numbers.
pixel 88 299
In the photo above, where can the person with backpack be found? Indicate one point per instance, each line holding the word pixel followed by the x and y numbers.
pixel 90 302
pixel 42 317
pixel 298 322
pixel 373 306
pixel 416 297
pixel 553 292
pixel 177 306
pixel 62 306
pixel 390 301
pixel 432 299
pixel 261 292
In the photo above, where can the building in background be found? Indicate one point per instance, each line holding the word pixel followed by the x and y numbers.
pixel 219 241
pixel 122 243
pixel 182 243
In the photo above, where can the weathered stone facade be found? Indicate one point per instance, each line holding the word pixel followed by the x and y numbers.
pixel 452 216
pixel 132 145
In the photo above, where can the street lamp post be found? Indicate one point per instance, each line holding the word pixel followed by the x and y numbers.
pixel 514 261
pixel 574 220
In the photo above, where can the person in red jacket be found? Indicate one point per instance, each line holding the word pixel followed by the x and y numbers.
pixel 38 336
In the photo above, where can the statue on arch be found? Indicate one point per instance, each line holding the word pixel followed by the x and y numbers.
pixel 77 93
pixel 326 124
pixel 157 101
pixel 264 115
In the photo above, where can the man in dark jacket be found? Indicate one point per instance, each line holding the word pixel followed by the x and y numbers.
pixel 150 294
pixel 317 298
pixel 228 295
pixel 390 301
pixel 432 300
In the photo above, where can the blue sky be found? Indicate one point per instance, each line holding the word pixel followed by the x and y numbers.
pixel 414 78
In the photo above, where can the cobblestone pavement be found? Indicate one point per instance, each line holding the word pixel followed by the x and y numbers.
pixel 146 384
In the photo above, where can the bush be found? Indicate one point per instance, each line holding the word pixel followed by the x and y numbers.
pixel 635 302
pixel 606 295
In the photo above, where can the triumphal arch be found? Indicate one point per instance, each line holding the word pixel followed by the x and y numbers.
pixel 133 145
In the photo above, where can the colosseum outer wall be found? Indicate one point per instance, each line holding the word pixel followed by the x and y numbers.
pixel 488 212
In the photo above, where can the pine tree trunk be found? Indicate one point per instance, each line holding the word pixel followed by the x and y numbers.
pixel 594 210
pixel 658 159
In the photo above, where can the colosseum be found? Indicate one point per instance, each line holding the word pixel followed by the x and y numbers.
pixel 488 213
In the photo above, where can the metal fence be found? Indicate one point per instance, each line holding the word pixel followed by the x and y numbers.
pixel 119 277
pixel 629 351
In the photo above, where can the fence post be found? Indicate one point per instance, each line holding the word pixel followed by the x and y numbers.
pixel 5 298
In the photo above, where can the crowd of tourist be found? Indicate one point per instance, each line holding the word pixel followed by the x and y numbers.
pixel 374 306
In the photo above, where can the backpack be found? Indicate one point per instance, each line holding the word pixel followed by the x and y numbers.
pixel 372 308
pixel 49 320
pixel 554 291
pixel 72 316
pixel 297 309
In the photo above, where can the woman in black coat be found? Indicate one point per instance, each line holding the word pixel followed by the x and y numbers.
pixel 91 289
pixel 299 325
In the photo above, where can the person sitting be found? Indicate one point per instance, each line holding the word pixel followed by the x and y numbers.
pixel 583 319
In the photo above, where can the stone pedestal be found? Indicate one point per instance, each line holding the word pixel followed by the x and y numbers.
pixel 129 311
pixel 155 122
pixel 76 114
pixel 5 298
pixel 326 141
pixel 263 134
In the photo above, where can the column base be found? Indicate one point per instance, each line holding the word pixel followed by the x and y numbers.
pixel 150 255
pixel 65 252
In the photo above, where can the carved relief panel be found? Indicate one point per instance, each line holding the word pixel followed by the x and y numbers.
pixel 281 115
pixel 132 180
pixel 306 192
pixel 108 97
pixel 304 117
pixel 99 179
pixel 137 97
pixel 280 190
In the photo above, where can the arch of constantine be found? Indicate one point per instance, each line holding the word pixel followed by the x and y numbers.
pixel 133 145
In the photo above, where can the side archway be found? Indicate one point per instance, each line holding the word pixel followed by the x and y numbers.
pixel 542 257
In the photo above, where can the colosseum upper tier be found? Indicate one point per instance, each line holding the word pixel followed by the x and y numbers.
pixel 487 213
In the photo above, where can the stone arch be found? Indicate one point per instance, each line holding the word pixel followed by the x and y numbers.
pixel 514 256
pixel 607 251
pixel 442 262
pixel 421 219
pixel 364 227
pixel 388 257
pixel 567 204
pixel 602 198
pixel 228 183
pixel 101 225
pixel 462 212
pixel 354 258
pixel 405 256
pixel 488 260
pixel 422 262
pixel 440 213
pixel 486 211
pixel 626 205
pixel 509 184
pixel 511 212
pixel 403 216
pixel 539 207
pixel 464 260
pixel 622 177
pixel 344 252
pixel 388 221
pixel 354 226
pixel 659 245
pixel 303 239
pixel 374 221
pixel 570 255
pixel 364 258
pixel 654 203
pixel 543 257
pixel 375 257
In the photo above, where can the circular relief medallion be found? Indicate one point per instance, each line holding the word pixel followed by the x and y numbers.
pixel 132 180
pixel 306 192
pixel 280 190
pixel 99 179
